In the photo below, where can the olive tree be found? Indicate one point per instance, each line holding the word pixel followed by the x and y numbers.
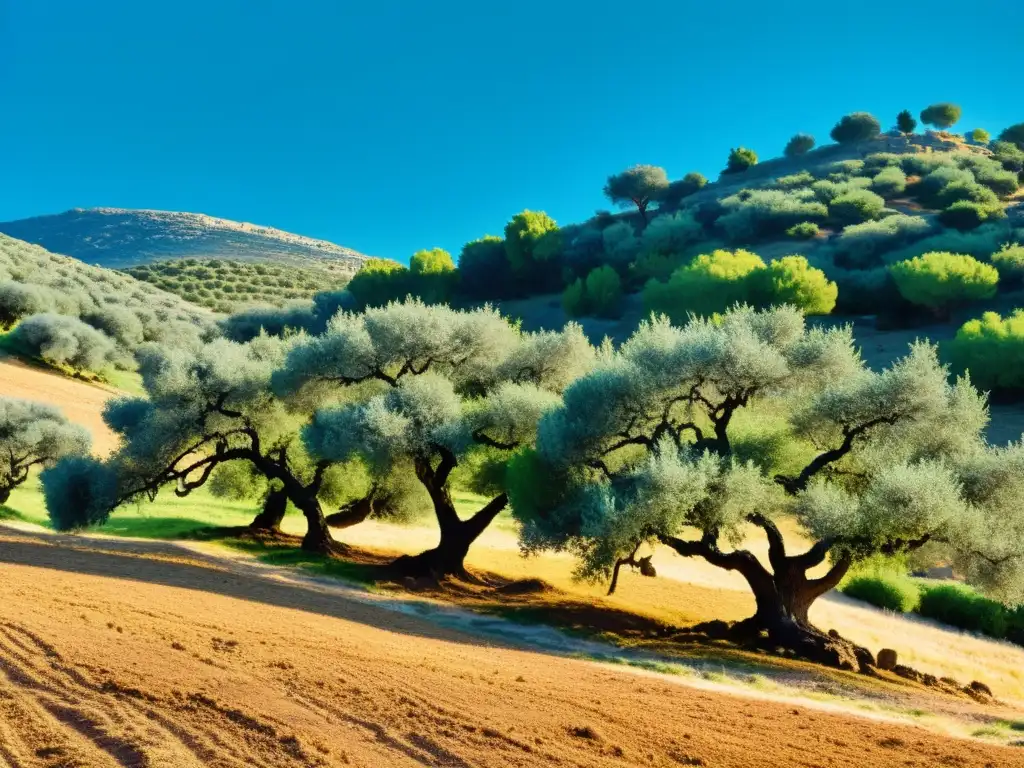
pixel 204 409
pixel 34 435
pixel 943 115
pixel 662 437
pixel 454 391
pixel 639 186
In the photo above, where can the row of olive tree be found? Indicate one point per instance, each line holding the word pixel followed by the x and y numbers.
pixel 399 392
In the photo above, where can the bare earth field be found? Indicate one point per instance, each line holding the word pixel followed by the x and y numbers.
pixel 117 657
pixel 119 652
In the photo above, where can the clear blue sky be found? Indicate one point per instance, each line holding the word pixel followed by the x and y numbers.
pixel 391 125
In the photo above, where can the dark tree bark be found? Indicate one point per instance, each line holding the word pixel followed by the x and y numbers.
pixel 783 596
pixel 270 517
pixel 448 558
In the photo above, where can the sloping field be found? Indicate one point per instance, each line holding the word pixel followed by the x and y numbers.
pixel 82 403
pixel 110 658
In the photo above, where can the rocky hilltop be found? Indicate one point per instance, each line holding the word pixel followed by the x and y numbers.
pixel 119 238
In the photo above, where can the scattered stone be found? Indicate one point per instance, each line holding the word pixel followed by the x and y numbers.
pixel 833 633
pixel 585 732
pixel 887 659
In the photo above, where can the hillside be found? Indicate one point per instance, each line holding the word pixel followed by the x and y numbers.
pixel 227 285
pixel 119 238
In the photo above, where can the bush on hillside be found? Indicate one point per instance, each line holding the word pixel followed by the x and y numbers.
pixel 960 606
pixel 928 189
pixel 671 232
pixel 942 116
pixel 827 190
pixel 740 158
pixel 18 300
pixel 856 206
pixel 805 230
pixel 967 214
pixel 979 243
pixel 795 181
pixel 63 340
pixel 969 191
pixel 800 144
pixel 712 283
pixel 866 291
pixel 484 269
pixel 532 243
pixel 862 245
pixel 878 161
pixel 80 491
pixel 857 126
pixel 791 280
pixel 274 321
pixel 574 299
pixel 379 282
pixel 889 182
pixel 118 323
pixel 1013 135
pixel 432 275
pixel 992 349
pixel 763 212
pixel 600 294
pixel 905 122
pixel 941 281
pixel 621 245
pixel 1008 155
pixel 979 136
pixel 887 590
pixel 604 292
pixel 1009 261
pixel 682 188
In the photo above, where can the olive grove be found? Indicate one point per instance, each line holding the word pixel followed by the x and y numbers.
pixel 448 391
pixel 723 424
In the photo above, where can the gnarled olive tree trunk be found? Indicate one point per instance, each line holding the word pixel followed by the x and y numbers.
pixel 270 517
pixel 783 596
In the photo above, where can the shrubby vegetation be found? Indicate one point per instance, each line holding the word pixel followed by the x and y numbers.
pixel 764 212
pixel 34 435
pixel 643 449
pixel 1009 262
pixel 856 207
pixel 716 281
pixel 857 126
pixel 227 286
pixel 942 116
pixel 991 348
pixel 600 294
pixel 800 144
pixel 941 281
pixel 885 589
pixel 905 122
pixel 740 158
pixel 640 186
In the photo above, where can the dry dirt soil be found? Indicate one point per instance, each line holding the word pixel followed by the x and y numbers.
pixel 111 655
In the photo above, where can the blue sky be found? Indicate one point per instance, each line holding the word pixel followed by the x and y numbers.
pixel 394 125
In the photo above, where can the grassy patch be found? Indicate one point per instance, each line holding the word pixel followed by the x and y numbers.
pixel 285 555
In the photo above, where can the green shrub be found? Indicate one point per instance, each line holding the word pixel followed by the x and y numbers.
pixel 979 136
pixel 856 206
pixel 940 281
pixel 379 282
pixel 599 295
pixel 928 189
pixel 621 245
pixel 802 179
pixel 574 299
pixel 923 163
pixel 827 190
pixel 761 212
pixel 604 292
pixel 1014 135
pixel 681 188
pixel 905 122
pixel 979 243
pixel 484 269
pixel 889 182
pixel 1009 261
pixel 805 230
pixel 671 232
pixel 712 283
pixel 992 349
pixel 967 214
pixel 858 126
pixel 791 280
pixel 960 606
pixel 891 591
pixel 800 144
pixel 878 161
pixel 1008 155
pixel 970 191
pixel 740 158
pixel 532 241
pixel 862 245
pixel 943 115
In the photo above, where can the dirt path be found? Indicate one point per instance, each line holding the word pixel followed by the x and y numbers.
pixel 112 658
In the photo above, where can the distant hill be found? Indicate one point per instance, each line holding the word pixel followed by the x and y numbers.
pixel 120 238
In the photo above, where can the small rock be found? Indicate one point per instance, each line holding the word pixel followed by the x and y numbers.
pixel 887 659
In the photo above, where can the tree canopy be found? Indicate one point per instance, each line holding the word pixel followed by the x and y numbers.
pixel 661 438
pixel 942 115
pixel 34 435
pixel 639 186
